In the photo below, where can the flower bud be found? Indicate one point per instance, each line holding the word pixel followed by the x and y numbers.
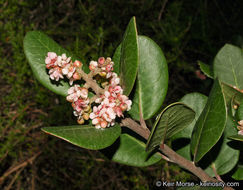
pixel 108 60
pixel 80 121
pixel 76 76
pixel 86 116
pixel 123 107
pixel 101 60
pixel 235 106
pixel 92 67
pixel 77 63
pixel 102 74
pixel 103 124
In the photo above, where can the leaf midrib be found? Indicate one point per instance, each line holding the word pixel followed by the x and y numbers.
pixel 200 132
pixel 234 75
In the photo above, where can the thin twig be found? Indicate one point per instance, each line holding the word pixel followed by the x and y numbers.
pixel 172 155
pixel 14 179
pixel 18 166
pixel 215 172
pixel 91 83
pixel 127 122
pixel 162 9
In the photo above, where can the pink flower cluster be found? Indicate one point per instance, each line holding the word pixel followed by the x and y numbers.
pixel 62 65
pixel 108 106
pixel 78 96
pixel 112 104
pixel 103 67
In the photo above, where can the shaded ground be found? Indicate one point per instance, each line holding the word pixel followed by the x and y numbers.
pixel 186 31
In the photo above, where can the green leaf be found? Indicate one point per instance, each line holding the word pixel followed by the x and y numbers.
pixel 232 95
pixel 236 137
pixel 239 113
pixel 116 59
pixel 129 57
pixel 211 123
pixel 223 157
pixel 181 140
pixel 86 136
pixel 152 81
pixel 228 66
pixel 36 47
pixel 206 69
pixel 238 174
pixel 171 120
pixel 131 151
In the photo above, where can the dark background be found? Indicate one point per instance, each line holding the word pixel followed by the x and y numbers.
pixel 186 30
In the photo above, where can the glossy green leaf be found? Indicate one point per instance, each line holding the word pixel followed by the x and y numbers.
pixel 86 136
pixel 129 57
pixel 116 59
pixel 206 69
pixel 36 47
pixel 239 113
pixel 152 81
pixel 239 116
pixel 211 123
pixel 181 140
pixel 171 120
pixel 228 66
pixel 131 151
pixel 238 174
pixel 223 157
pixel 232 95
pixel 236 137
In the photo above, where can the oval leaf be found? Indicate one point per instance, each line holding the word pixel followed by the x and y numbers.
pixel 129 57
pixel 181 140
pixel 206 69
pixel 211 123
pixel 223 157
pixel 116 59
pixel 172 119
pixel 238 174
pixel 232 95
pixel 236 137
pixel 239 113
pixel 228 65
pixel 36 47
pixel 86 136
pixel 132 152
pixel 152 81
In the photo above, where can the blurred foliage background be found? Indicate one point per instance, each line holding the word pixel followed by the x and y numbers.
pixel 186 30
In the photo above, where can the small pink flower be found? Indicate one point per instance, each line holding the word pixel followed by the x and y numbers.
pixel 93 65
pixel 83 93
pixel 114 80
pixel 51 60
pixel 240 132
pixel 55 73
pixel 76 92
pixel 109 67
pixel 52 55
